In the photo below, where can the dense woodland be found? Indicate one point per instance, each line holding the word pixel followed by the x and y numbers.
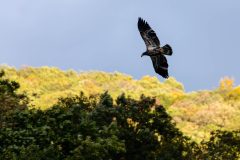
pixel 52 114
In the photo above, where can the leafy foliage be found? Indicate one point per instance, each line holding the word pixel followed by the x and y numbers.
pixel 46 85
pixel 195 113
pixel 222 145
pixel 96 127
pixel 9 99
pixel 74 129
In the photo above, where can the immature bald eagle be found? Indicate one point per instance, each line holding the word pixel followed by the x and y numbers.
pixel 153 48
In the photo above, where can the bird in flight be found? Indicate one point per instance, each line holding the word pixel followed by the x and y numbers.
pixel 154 50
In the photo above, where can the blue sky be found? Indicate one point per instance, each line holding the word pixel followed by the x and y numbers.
pixel 102 35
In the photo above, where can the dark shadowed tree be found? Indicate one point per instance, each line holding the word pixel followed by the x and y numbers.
pixel 9 99
pixel 98 128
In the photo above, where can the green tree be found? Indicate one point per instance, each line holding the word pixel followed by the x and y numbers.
pixel 9 99
pixel 222 145
pixel 97 128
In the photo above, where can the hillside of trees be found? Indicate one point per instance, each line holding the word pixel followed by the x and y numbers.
pixel 99 127
pixel 196 114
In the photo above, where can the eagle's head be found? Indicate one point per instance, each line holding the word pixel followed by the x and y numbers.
pixel 144 54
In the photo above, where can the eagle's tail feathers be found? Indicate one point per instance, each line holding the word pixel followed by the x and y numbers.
pixel 167 50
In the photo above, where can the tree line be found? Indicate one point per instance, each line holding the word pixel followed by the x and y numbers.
pixel 98 127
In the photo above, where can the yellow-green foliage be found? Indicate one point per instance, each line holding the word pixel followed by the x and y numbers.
pixel 201 112
pixel 46 84
pixel 196 113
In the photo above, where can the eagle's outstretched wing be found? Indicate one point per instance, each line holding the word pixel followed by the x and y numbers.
pixel 160 65
pixel 149 36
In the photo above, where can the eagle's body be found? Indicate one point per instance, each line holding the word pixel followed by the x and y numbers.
pixel 153 48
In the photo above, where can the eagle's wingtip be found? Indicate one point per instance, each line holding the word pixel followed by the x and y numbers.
pixel 140 19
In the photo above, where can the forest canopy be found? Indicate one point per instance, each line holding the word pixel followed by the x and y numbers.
pixel 99 127
pixel 196 113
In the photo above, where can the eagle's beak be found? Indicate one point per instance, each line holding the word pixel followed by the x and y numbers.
pixel 144 54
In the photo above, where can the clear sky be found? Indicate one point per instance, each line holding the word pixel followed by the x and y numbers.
pixel 102 35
